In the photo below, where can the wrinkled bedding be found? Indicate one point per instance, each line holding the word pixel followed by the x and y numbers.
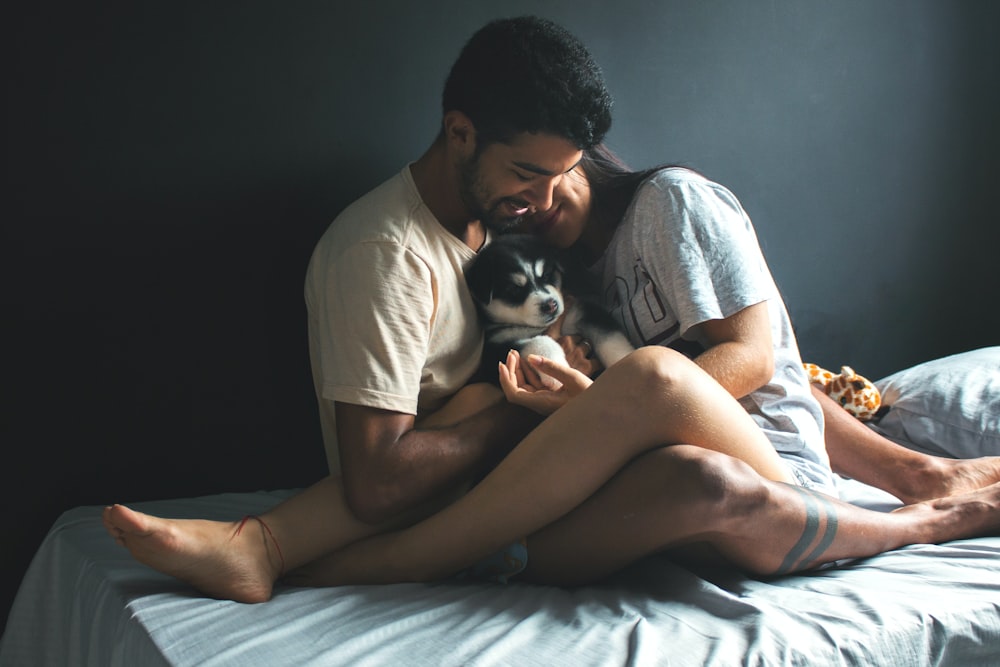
pixel 85 602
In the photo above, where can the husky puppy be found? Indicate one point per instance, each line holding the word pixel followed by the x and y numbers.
pixel 517 284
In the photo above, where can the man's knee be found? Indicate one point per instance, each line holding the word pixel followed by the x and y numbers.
pixel 725 486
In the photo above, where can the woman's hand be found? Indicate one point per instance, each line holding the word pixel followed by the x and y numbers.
pixel 520 390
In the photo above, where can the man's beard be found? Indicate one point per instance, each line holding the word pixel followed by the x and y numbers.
pixel 476 198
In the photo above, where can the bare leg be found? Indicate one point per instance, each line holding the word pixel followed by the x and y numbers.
pixel 681 496
pixel 563 462
pixel 688 496
pixel 222 561
pixel 228 561
pixel 667 498
pixel 653 397
pixel 858 452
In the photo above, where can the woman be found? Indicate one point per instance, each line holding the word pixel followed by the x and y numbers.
pixel 680 265
pixel 595 487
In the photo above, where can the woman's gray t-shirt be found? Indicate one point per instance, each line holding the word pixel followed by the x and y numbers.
pixel 686 253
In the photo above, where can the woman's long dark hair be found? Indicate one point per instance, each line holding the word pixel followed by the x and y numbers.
pixel 612 183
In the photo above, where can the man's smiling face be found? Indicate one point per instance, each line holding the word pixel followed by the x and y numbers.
pixel 506 181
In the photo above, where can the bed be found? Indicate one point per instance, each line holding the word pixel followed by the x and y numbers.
pixel 84 601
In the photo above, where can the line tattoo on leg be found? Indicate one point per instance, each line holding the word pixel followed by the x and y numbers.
pixel 815 505
pixel 815 556
pixel 808 534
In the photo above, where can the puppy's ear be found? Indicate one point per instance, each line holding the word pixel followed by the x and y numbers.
pixel 560 272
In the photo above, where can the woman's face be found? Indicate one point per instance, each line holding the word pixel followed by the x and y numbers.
pixel 562 224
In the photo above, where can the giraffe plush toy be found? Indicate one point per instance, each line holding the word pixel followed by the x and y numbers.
pixel 855 393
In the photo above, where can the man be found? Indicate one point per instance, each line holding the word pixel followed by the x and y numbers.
pixel 393 330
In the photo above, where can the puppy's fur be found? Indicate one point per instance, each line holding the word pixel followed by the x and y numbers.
pixel 517 284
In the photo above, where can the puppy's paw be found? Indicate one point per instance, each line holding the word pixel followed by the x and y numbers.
pixel 545 346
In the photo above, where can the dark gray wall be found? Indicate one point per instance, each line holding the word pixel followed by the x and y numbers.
pixel 168 167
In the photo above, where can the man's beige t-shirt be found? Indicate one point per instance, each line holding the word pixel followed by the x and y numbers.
pixel 391 322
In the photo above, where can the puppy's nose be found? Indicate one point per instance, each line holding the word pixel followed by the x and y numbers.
pixel 549 306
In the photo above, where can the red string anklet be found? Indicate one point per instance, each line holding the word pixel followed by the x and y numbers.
pixel 267 529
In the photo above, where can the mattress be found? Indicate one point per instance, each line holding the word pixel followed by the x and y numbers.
pixel 84 601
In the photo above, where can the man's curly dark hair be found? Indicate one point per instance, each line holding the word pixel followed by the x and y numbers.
pixel 528 74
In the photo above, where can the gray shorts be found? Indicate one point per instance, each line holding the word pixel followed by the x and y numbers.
pixel 811 475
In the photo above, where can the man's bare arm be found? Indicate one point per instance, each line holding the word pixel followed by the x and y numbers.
pixel 390 464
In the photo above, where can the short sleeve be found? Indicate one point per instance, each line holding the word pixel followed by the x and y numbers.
pixel 702 252
pixel 373 324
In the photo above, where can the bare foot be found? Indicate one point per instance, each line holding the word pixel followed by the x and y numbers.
pixel 950 477
pixel 960 516
pixel 216 557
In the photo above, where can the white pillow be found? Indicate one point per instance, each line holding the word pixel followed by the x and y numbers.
pixel 949 406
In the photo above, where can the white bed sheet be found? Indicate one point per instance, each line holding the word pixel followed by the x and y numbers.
pixel 85 602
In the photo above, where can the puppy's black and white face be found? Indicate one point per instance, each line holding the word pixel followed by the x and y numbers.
pixel 528 292
pixel 515 280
